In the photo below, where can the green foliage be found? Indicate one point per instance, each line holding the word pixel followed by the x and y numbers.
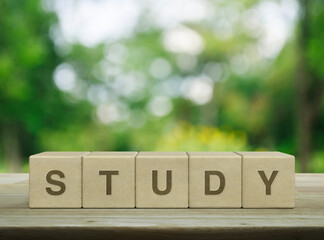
pixel 185 137
pixel 30 103
pixel 118 105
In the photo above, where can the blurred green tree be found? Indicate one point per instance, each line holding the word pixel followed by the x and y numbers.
pixel 214 91
pixel 30 102
pixel 310 78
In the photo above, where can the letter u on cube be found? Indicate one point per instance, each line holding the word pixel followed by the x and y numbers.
pixel 162 180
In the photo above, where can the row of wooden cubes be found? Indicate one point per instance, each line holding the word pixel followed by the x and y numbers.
pixel 162 180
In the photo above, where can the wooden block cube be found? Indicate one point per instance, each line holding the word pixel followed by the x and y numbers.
pixel 214 180
pixel 162 180
pixel 268 180
pixel 55 180
pixel 109 180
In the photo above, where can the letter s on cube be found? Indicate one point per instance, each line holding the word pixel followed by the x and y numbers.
pixel 55 180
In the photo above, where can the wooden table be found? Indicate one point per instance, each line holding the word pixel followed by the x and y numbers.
pixel 17 221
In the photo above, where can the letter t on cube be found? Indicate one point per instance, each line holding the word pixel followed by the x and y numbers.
pixel 268 180
pixel 109 180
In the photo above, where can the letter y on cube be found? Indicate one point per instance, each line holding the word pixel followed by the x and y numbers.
pixel 268 180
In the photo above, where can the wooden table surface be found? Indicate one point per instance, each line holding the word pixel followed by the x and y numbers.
pixel 306 221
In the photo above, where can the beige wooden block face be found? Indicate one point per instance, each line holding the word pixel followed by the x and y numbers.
pixel 109 180
pixel 268 180
pixel 162 180
pixel 55 180
pixel 214 180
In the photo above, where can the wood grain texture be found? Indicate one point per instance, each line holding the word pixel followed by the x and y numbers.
pixel 305 221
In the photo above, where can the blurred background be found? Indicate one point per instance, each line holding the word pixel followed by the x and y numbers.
pixel 173 75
